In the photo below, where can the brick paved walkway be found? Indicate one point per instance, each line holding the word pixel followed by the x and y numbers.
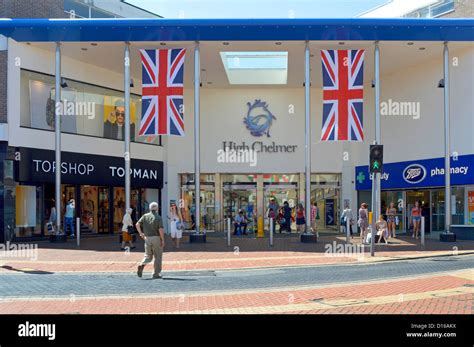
pixel 104 255
pixel 424 294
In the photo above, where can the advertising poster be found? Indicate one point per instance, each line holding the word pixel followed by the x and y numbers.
pixel 470 206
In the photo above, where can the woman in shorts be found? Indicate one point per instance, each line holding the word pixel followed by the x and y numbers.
pixel 416 219
pixel 391 214
pixel 176 222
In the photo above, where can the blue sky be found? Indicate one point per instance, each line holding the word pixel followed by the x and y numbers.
pixel 257 8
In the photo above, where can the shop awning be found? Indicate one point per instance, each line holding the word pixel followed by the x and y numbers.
pixel 349 29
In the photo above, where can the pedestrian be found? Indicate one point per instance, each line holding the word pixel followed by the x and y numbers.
pixel 382 229
pixel 314 217
pixel 300 218
pixel 239 222
pixel 69 218
pixel 281 219
pixel 391 215
pixel 287 217
pixel 347 218
pixel 363 221
pixel 150 228
pixel 53 217
pixel 416 219
pixel 176 225
pixel 127 229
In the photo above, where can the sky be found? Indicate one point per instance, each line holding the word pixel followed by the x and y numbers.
pixel 257 8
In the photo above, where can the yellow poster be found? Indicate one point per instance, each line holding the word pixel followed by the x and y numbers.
pixel 114 118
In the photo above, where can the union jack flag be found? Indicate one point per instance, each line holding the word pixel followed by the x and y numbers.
pixel 162 92
pixel 343 92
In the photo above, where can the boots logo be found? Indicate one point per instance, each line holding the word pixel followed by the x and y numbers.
pixel 259 118
pixel 414 173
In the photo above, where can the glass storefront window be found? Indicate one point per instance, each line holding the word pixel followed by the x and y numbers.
pixel 207 200
pixel 288 178
pixel 438 207
pixel 333 179
pixel 88 109
pixel 26 208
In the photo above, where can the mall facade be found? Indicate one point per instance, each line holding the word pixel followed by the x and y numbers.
pixel 247 69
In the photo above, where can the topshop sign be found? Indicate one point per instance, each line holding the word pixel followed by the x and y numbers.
pixel 38 166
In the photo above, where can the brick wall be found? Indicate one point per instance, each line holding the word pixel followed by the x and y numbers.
pixel 462 9
pixel 32 9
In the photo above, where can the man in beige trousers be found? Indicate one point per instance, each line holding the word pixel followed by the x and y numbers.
pixel 150 228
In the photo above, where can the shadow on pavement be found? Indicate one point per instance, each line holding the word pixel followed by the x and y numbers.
pixel 29 272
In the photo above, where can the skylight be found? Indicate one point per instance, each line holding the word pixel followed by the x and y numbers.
pixel 256 67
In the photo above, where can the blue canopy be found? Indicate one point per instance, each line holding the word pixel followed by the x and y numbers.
pixel 348 29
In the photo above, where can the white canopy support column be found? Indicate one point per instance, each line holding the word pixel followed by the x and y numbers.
pixel 126 88
pixel 57 134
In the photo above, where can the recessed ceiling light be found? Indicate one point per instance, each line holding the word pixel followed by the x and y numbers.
pixel 410 43
pixel 84 48
pixel 93 44
pixel 225 43
pixel 341 43
pixel 162 44
pixel 278 43
pixel 422 48
pixel 28 43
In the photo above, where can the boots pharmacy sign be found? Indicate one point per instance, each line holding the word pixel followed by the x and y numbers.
pixel 39 166
pixel 419 174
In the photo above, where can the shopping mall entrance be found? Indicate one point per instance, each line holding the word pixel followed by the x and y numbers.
pixel 224 195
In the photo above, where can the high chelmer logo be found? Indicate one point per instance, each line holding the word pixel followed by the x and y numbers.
pixel 259 118
pixel 414 173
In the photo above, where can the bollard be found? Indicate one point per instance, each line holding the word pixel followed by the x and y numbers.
pixel 348 235
pixel 271 232
pixel 78 231
pixel 422 230
pixel 228 232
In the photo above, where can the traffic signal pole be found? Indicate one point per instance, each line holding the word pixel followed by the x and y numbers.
pixel 376 175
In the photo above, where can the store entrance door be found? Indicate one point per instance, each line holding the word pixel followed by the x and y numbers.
pixel 327 198
pixel 281 193
pixel 241 197
pixel 423 197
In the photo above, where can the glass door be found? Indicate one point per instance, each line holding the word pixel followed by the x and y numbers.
pixel 423 198
pixel 397 199
pixel 328 200
pixel 207 204
pixel 89 207
pixel 103 213
pixel 281 193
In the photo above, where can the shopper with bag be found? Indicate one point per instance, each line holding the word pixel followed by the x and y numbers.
pixel 127 229
pixel 347 217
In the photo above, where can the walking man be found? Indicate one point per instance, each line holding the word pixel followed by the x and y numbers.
pixel 150 228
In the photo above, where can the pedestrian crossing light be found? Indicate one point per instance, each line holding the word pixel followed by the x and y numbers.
pixel 376 158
